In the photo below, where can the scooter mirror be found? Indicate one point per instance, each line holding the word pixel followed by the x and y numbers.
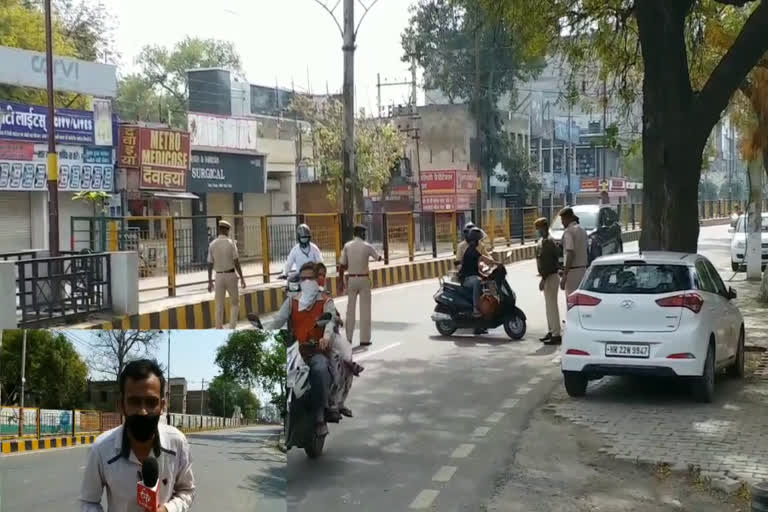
pixel 255 320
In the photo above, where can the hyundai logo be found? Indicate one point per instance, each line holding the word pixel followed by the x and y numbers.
pixel 627 304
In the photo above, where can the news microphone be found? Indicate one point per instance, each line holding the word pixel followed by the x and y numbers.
pixel 146 490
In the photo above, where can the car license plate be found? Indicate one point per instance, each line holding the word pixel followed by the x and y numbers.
pixel 627 350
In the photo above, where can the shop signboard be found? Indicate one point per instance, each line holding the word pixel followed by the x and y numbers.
pixel 618 185
pixel 438 182
pixel 227 172
pixel 439 202
pixel 30 122
pixel 211 131
pixel 589 185
pixel 161 155
pixel 24 167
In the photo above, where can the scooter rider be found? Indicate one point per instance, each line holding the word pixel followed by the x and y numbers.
pixel 469 274
pixel 462 247
pixel 305 251
pixel 303 312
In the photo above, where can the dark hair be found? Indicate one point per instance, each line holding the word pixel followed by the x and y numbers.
pixel 320 266
pixel 359 228
pixel 308 266
pixel 139 370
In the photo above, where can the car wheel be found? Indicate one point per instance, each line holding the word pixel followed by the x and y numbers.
pixel 575 384
pixel 704 386
pixel 445 327
pixel 737 369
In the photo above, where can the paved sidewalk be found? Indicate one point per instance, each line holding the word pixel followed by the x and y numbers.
pixel 656 421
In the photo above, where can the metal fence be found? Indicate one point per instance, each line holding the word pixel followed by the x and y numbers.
pixel 264 242
pixel 35 423
pixel 62 288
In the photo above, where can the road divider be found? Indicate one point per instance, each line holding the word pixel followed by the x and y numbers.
pixel 269 297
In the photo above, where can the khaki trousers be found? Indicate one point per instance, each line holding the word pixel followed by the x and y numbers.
pixel 226 284
pixel 574 280
pixel 359 286
pixel 551 292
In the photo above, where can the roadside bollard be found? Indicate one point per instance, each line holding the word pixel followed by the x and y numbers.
pixel 760 497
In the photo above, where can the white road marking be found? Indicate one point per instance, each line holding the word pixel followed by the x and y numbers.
pixel 424 499
pixel 366 355
pixel 510 403
pixel 495 417
pixel 444 474
pixel 523 390
pixel 462 451
pixel 481 431
pixel 534 381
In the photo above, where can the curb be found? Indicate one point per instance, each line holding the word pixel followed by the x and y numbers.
pixel 270 297
pixel 30 445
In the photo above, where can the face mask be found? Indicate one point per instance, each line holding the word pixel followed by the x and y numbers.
pixel 541 233
pixel 309 291
pixel 141 427
pixel 304 241
pixel 321 282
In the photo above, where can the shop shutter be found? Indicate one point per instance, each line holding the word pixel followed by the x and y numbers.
pixel 16 225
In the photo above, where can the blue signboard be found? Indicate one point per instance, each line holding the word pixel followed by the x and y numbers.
pixel 29 122
pixel 97 155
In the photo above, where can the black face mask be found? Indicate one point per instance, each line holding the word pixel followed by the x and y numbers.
pixel 304 241
pixel 142 427
pixel 361 235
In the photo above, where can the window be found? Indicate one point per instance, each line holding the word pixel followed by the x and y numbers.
pixel 743 226
pixel 716 279
pixel 703 280
pixel 638 279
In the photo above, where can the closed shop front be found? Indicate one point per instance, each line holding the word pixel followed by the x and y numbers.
pixel 16 225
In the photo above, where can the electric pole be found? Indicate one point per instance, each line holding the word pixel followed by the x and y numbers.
pixel 23 371
pixel 53 158
pixel 349 177
pixel 168 411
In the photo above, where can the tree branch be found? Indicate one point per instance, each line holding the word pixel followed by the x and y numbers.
pixel 330 11
pixel 749 47
pixel 366 10
pixel 737 3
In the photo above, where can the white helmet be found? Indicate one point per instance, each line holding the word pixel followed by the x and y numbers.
pixel 297 371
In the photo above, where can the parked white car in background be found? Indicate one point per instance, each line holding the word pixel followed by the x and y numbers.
pixel 652 314
pixel 739 242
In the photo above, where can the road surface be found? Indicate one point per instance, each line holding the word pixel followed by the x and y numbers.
pixel 235 470
pixel 438 420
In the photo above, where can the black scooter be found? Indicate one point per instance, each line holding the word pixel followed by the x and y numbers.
pixel 454 308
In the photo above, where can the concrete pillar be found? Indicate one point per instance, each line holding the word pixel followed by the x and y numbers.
pixel 8 295
pixel 38 202
pixel 124 283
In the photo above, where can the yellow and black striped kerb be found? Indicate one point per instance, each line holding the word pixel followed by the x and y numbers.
pixel 30 445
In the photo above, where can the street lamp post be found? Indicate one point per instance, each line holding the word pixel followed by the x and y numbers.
pixel 168 410
pixel 53 158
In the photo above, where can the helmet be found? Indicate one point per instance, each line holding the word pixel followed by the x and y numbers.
pixel 297 372
pixel 475 234
pixel 467 227
pixel 303 231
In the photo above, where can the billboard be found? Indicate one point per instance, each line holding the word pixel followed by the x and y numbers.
pixel 161 154
pixel 24 167
pixel 227 172
pixel 27 68
pixel 223 132
pixel 19 121
pixel 438 182
pixel 589 185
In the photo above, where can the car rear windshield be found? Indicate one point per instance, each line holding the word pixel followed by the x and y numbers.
pixel 636 278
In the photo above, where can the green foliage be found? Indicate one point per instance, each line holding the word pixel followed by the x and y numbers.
pixel 224 394
pixel 708 191
pixel 252 358
pixel 97 199
pixel 161 88
pixel 378 146
pixel 56 376
pixel 519 169
pixel 473 58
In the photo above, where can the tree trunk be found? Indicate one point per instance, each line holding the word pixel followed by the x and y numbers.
pixel 764 283
pixel 753 253
pixel 672 150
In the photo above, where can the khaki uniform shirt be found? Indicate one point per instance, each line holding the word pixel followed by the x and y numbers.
pixel 547 258
pixel 222 253
pixel 356 255
pixel 575 239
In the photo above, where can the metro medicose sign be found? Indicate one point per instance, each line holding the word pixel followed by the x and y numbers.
pixel 24 167
pixel 162 155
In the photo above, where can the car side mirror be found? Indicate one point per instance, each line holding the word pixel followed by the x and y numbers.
pixel 732 294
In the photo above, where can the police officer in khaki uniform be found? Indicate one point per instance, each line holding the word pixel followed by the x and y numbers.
pixel 224 259
pixel 357 281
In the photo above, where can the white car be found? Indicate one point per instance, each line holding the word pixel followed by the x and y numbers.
pixel 654 314
pixel 739 242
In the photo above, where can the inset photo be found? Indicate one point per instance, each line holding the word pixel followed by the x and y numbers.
pixel 166 420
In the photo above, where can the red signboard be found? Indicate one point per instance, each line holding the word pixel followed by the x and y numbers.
pixel 17 150
pixel 152 178
pixel 439 202
pixel 590 185
pixel 618 184
pixel 128 151
pixel 164 149
pixel 438 182
pixel 466 182
pixel 161 155
pixel 464 202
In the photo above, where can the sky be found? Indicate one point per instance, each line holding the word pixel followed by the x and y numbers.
pixel 280 41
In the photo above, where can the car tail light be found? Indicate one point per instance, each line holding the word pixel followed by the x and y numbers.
pixel 692 301
pixel 576 352
pixel 579 299
pixel 684 355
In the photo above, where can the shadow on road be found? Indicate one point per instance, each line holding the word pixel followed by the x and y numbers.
pixel 270 483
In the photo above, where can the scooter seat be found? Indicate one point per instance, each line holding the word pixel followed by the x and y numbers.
pixel 458 288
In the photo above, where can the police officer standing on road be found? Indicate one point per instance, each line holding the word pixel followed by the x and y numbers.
pixel 224 259
pixel 357 282
pixel 547 265
pixel 574 251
